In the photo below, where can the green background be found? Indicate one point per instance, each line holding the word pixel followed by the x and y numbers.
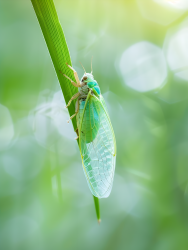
pixel 45 202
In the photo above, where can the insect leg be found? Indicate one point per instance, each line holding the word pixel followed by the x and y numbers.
pixel 75 75
pixel 76 111
pixel 73 83
pixel 73 97
pixel 71 117
pixel 77 134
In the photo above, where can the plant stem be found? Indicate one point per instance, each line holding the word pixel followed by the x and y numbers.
pixel 59 52
pixel 97 208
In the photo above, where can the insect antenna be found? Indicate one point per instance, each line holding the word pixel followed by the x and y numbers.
pixel 91 65
pixel 83 67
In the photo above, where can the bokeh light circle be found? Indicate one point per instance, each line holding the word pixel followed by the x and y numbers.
pixel 143 67
pixel 177 52
pixel 49 124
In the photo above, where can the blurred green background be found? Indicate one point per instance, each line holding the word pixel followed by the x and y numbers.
pixel 140 60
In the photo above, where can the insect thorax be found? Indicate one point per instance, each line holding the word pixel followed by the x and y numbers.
pixel 84 90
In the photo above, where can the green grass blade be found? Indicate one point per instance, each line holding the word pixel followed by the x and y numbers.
pixel 57 46
pixel 97 208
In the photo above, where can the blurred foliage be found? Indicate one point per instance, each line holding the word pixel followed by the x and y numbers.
pixel 44 199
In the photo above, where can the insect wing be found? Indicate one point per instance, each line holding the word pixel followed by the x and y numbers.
pixel 99 154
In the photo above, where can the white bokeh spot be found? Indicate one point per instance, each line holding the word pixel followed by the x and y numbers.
pixel 143 67
pixel 50 127
pixel 176 51
pixel 177 4
pixel 162 12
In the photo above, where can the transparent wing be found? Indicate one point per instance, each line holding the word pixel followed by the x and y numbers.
pixel 98 153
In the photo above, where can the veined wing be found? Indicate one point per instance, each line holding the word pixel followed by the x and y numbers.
pixel 99 153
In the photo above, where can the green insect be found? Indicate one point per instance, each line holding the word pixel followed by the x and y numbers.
pixel 95 134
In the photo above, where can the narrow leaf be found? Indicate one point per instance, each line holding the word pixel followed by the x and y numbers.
pixel 57 46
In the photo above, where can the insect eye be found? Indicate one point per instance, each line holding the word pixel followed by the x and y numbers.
pixel 84 78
